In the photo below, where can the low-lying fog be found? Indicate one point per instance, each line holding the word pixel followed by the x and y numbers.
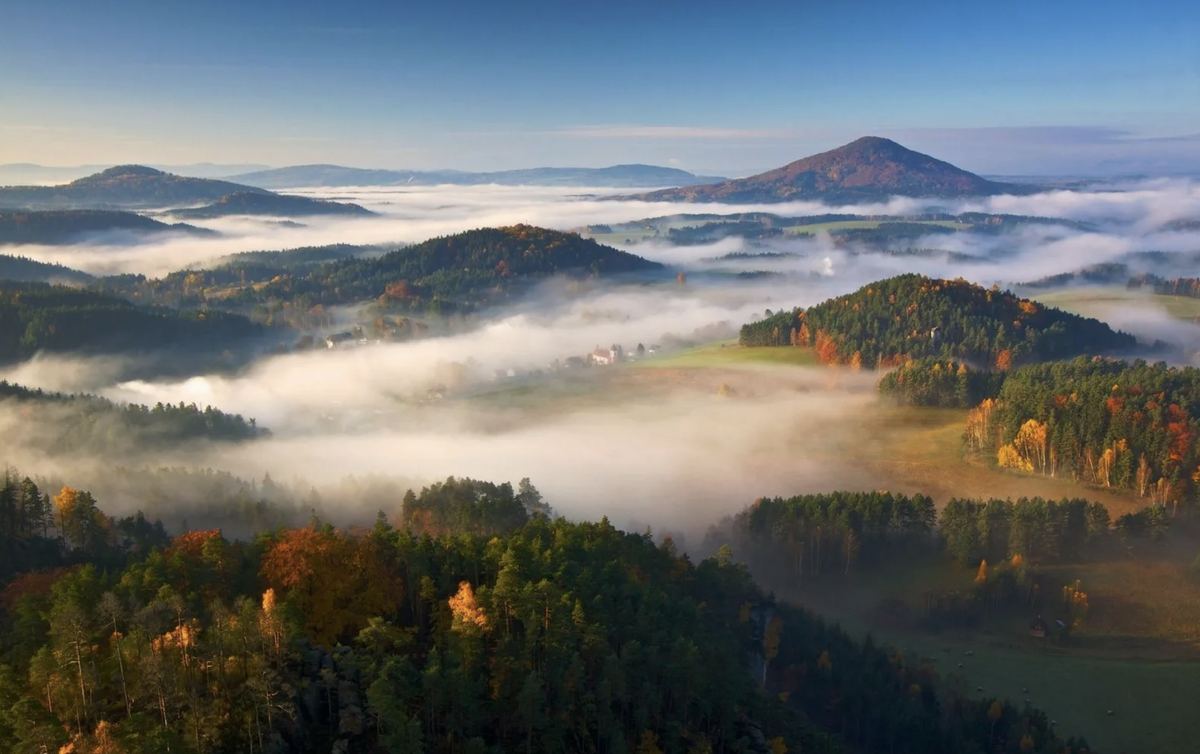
pixel 643 444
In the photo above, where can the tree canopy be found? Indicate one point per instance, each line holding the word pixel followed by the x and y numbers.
pixel 912 316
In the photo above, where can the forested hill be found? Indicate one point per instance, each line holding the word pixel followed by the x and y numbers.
pixel 457 272
pixel 546 636
pixel 25 270
pixel 121 186
pixel 869 168
pixel 54 227
pixel 912 316
pixel 36 317
pixel 276 205
pixel 60 424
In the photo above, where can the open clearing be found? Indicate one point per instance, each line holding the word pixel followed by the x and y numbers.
pixel 729 354
pixel 1149 698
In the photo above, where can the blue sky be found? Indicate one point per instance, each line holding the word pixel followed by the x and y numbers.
pixel 710 86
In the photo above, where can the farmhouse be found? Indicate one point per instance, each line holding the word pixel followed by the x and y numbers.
pixel 607 355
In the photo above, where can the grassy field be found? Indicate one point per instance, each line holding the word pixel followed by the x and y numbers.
pixel 1149 699
pixel 1096 302
pixel 1149 679
pixel 920 450
pixel 729 354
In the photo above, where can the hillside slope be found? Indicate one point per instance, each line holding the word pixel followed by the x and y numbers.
pixel 37 317
pixel 140 187
pixel 275 205
pixel 912 316
pixel 56 227
pixel 866 169
pixel 121 186
pixel 25 270
pixel 464 270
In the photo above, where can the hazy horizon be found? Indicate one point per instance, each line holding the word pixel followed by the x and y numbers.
pixel 1029 89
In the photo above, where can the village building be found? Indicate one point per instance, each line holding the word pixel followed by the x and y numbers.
pixel 607 355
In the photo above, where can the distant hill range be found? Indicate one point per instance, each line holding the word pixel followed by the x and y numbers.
pixel 140 187
pixel 30 174
pixel 57 227
pixel 276 205
pixel 870 168
pixel 617 176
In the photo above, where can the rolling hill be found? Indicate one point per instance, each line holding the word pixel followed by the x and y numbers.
pixel 25 270
pixel 870 168
pixel 912 316
pixel 121 186
pixel 459 273
pixel 57 227
pixel 617 176
pixel 275 205
pixel 38 317
pixel 140 187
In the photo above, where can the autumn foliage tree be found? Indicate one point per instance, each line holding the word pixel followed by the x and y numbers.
pixel 1129 425
pixel 337 582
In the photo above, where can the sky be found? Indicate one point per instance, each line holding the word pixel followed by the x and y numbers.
pixel 710 86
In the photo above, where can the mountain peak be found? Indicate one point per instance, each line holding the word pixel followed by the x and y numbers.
pixel 867 169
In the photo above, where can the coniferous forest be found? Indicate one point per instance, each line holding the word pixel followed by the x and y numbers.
pixel 912 316
pixel 518 633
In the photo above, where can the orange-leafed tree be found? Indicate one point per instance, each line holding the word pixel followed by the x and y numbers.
pixel 1004 360
pixel 81 523
pixel 827 350
pixel 338 582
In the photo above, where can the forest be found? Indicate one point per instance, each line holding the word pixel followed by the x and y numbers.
pixel 442 276
pixel 66 226
pixel 40 317
pixel 822 535
pixel 254 202
pixel 912 316
pixel 810 541
pixel 539 635
pixel 458 272
pixel 63 424
pixel 24 269
pixel 1129 425
pixel 1189 287
pixel 943 383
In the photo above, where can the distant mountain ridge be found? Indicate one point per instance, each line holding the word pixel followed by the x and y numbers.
pixel 616 176
pixel 123 186
pixel 869 168
pixel 31 174
pixel 141 187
